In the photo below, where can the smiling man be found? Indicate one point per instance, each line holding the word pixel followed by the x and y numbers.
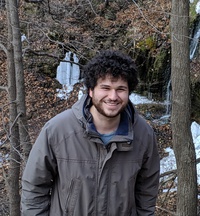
pixel 109 99
pixel 98 158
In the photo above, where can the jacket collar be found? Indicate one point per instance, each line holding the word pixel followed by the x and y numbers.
pixel 124 134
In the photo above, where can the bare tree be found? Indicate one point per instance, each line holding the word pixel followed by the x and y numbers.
pixel 14 171
pixel 18 133
pixel 19 73
pixel 181 110
pixel 12 133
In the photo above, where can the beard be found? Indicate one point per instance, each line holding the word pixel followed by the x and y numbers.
pixel 101 107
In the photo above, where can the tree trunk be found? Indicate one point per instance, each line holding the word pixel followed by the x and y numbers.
pixel 18 61
pixel 14 168
pixel 181 110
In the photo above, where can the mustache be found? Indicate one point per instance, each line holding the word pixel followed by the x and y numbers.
pixel 112 101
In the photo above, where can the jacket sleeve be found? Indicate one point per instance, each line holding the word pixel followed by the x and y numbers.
pixel 148 180
pixel 37 178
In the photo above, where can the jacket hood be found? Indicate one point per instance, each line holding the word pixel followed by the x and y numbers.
pixel 124 132
pixel 81 109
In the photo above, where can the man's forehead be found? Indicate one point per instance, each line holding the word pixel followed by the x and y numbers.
pixel 111 78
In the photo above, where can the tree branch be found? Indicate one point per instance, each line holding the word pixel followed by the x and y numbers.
pixel 4 48
pixel 168 173
pixel 92 8
pixel 165 210
pixel 38 53
pixel 4 88
pixel 146 19
pixel 175 170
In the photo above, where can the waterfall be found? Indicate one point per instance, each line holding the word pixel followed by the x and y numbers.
pixel 75 70
pixel 68 74
pixel 195 38
pixel 194 44
pixel 168 98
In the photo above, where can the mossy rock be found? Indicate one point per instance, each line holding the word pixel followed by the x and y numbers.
pixel 161 60
pixel 192 12
pixel 160 65
pixel 148 43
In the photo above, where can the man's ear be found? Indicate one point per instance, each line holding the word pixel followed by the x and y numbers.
pixel 90 92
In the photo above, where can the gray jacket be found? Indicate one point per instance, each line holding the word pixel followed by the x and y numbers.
pixel 70 171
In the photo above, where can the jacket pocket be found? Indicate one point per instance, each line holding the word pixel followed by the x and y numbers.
pixel 72 196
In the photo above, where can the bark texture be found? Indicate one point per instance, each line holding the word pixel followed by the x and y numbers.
pixel 181 110
pixel 20 87
pixel 13 134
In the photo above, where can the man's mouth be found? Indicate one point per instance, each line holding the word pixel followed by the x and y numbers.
pixel 112 103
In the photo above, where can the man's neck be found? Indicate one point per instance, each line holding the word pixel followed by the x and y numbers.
pixel 103 124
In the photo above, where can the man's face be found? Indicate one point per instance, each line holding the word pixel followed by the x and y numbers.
pixel 110 96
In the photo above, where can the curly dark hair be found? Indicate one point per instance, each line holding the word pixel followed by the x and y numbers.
pixel 112 63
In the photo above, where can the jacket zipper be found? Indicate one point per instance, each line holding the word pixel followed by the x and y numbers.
pixel 97 179
pixel 100 164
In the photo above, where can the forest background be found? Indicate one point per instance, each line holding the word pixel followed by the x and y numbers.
pixel 50 29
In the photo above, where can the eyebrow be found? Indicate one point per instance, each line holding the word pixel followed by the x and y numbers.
pixel 105 85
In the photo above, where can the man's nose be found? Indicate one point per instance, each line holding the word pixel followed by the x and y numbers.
pixel 113 94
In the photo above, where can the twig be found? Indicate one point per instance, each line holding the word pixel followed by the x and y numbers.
pixel 5 177
pixel 50 55
pixel 169 179
pixel 147 19
pixel 92 8
pixel 10 131
pixel 18 162
pixel 8 134
pixel 165 210
pixel 3 48
pixel 16 150
pixel 168 190
pixel 4 126
pixel 4 88
pixel 175 170
pixel 168 173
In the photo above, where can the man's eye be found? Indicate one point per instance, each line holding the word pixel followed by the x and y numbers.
pixel 122 89
pixel 105 88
